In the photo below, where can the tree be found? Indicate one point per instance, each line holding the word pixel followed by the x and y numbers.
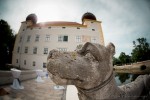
pixel 116 61
pixel 141 50
pixel 6 43
pixel 124 59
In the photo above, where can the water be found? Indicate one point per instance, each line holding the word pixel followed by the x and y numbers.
pixel 124 78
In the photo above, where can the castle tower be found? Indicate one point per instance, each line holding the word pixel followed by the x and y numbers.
pixel 88 19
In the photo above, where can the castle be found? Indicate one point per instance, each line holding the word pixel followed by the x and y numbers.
pixel 35 40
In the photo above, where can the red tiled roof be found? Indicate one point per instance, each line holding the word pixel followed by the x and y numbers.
pixel 57 23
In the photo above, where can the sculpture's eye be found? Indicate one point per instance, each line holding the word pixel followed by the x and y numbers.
pixel 89 56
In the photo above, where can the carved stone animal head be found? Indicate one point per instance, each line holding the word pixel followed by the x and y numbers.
pixel 85 68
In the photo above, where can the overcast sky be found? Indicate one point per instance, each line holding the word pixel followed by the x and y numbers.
pixel 122 20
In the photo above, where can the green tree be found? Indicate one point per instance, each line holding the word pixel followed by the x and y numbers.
pixel 116 61
pixel 6 43
pixel 141 50
pixel 124 59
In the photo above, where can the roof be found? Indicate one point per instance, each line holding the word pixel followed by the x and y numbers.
pixel 57 23
pixel 88 15
pixel 32 17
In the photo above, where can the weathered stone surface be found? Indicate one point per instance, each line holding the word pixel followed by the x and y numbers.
pixel 91 71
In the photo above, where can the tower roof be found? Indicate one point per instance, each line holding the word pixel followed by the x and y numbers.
pixel 32 17
pixel 88 15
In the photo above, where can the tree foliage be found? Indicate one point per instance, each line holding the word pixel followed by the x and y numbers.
pixel 141 50
pixel 6 43
pixel 116 61
pixel 122 59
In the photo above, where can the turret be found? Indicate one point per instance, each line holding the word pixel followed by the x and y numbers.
pixel 31 19
pixel 88 16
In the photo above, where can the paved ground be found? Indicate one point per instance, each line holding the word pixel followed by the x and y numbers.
pixel 34 91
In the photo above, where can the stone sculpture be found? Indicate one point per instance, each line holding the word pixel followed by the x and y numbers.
pixel 91 71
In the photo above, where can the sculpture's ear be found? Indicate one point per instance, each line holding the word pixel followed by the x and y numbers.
pixel 111 48
pixel 90 48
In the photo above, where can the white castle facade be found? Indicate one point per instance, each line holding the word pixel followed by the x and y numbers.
pixel 35 40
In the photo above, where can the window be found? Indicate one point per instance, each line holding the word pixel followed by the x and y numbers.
pixel 44 65
pixel 47 38
pixel 37 38
pixel 45 51
pixel 20 39
pixel 16 60
pixel 93 40
pixel 18 50
pixel 62 49
pixel 24 62
pixel 34 63
pixel 35 50
pixel 28 38
pixel 26 50
pixel 62 38
pixel 78 39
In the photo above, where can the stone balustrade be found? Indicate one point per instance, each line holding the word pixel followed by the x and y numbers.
pixel 6 77
pixel 142 67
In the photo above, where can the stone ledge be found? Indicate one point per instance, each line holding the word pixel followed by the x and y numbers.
pixel 7 78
